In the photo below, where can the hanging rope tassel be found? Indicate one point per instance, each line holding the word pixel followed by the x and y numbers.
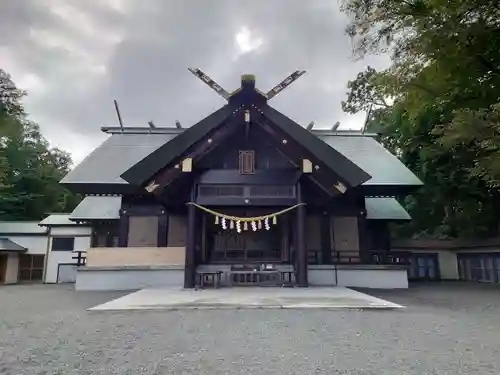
pixel 245 225
pixel 236 218
pixel 259 224
pixel 216 219
pixel 275 220
pixel 231 224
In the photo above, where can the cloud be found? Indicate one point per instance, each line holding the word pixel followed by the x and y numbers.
pixel 74 57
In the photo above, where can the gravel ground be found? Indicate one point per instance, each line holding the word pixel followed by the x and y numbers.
pixel 446 329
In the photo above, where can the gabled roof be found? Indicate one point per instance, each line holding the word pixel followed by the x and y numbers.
pixel 365 151
pixel 336 161
pixel 58 219
pixel 121 151
pixel 351 173
pixel 130 158
pixel 152 163
pixel 21 228
pixel 97 208
pixel 118 153
pixel 385 209
pixel 9 245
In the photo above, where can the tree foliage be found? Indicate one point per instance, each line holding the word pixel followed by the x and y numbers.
pixel 30 170
pixel 437 104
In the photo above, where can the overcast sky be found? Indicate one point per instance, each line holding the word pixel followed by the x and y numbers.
pixel 75 56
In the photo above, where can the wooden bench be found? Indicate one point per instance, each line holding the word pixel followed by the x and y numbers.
pixel 287 277
pixel 211 278
pixel 254 277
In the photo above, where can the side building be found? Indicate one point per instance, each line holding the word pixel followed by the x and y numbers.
pixel 43 251
pixel 246 188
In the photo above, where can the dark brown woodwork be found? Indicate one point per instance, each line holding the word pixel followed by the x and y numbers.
pixel 260 177
pixel 105 233
pixel 301 272
pixel 247 162
pixel 163 230
pixel 295 153
pixel 201 149
pixel 140 208
pixel 190 262
pixel 245 195
pixel 237 202
pixel 123 229
pixel 363 239
pixel 3 267
pixel 320 153
pixel 225 156
pixel 326 249
pixel 169 152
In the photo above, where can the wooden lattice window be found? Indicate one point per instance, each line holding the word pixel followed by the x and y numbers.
pixel 31 267
pixel 221 191
pixel 247 162
pixel 105 235
pixel 271 191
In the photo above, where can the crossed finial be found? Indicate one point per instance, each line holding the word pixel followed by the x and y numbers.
pixel 226 95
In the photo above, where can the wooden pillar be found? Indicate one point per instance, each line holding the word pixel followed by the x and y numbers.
pixel 363 240
pixel 123 228
pixel 190 263
pixel 301 241
pixel 163 229
pixel 326 250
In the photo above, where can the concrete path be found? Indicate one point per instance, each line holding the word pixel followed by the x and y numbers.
pixel 246 298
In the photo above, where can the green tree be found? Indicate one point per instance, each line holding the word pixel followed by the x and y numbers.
pixel 443 88
pixel 30 170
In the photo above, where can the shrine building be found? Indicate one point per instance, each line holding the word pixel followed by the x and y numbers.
pixel 244 197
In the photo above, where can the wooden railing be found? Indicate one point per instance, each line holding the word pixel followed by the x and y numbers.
pixel 372 257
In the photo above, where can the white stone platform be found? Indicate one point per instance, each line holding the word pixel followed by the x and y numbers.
pixel 246 298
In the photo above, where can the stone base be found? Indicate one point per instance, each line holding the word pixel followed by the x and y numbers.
pixel 246 298
pixel 360 276
pixel 128 278
pixel 139 277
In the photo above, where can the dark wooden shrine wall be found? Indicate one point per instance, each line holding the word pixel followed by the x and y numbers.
pixel 152 225
pixel 346 237
pixel 226 156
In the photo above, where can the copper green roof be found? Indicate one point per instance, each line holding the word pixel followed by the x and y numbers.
pixel 9 245
pixel 385 209
pixel 121 151
pixel 97 208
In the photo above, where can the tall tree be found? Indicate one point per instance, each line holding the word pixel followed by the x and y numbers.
pixel 443 88
pixel 30 170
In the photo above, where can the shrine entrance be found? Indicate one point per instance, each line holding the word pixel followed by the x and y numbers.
pixel 248 246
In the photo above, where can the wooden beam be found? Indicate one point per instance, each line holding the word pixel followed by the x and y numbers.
pixel 163 230
pixel 301 272
pixel 123 228
pixel 206 145
pixel 209 82
pixel 284 84
pixel 292 151
pixel 326 248
pixel 260 177
pixel 190 260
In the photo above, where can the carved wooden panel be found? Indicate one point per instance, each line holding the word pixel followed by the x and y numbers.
pixel 247 162
pixel 143 231
pixel 177 226
pixel 346 233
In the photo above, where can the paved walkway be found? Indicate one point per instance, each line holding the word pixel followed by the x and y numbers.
pixel 246 298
